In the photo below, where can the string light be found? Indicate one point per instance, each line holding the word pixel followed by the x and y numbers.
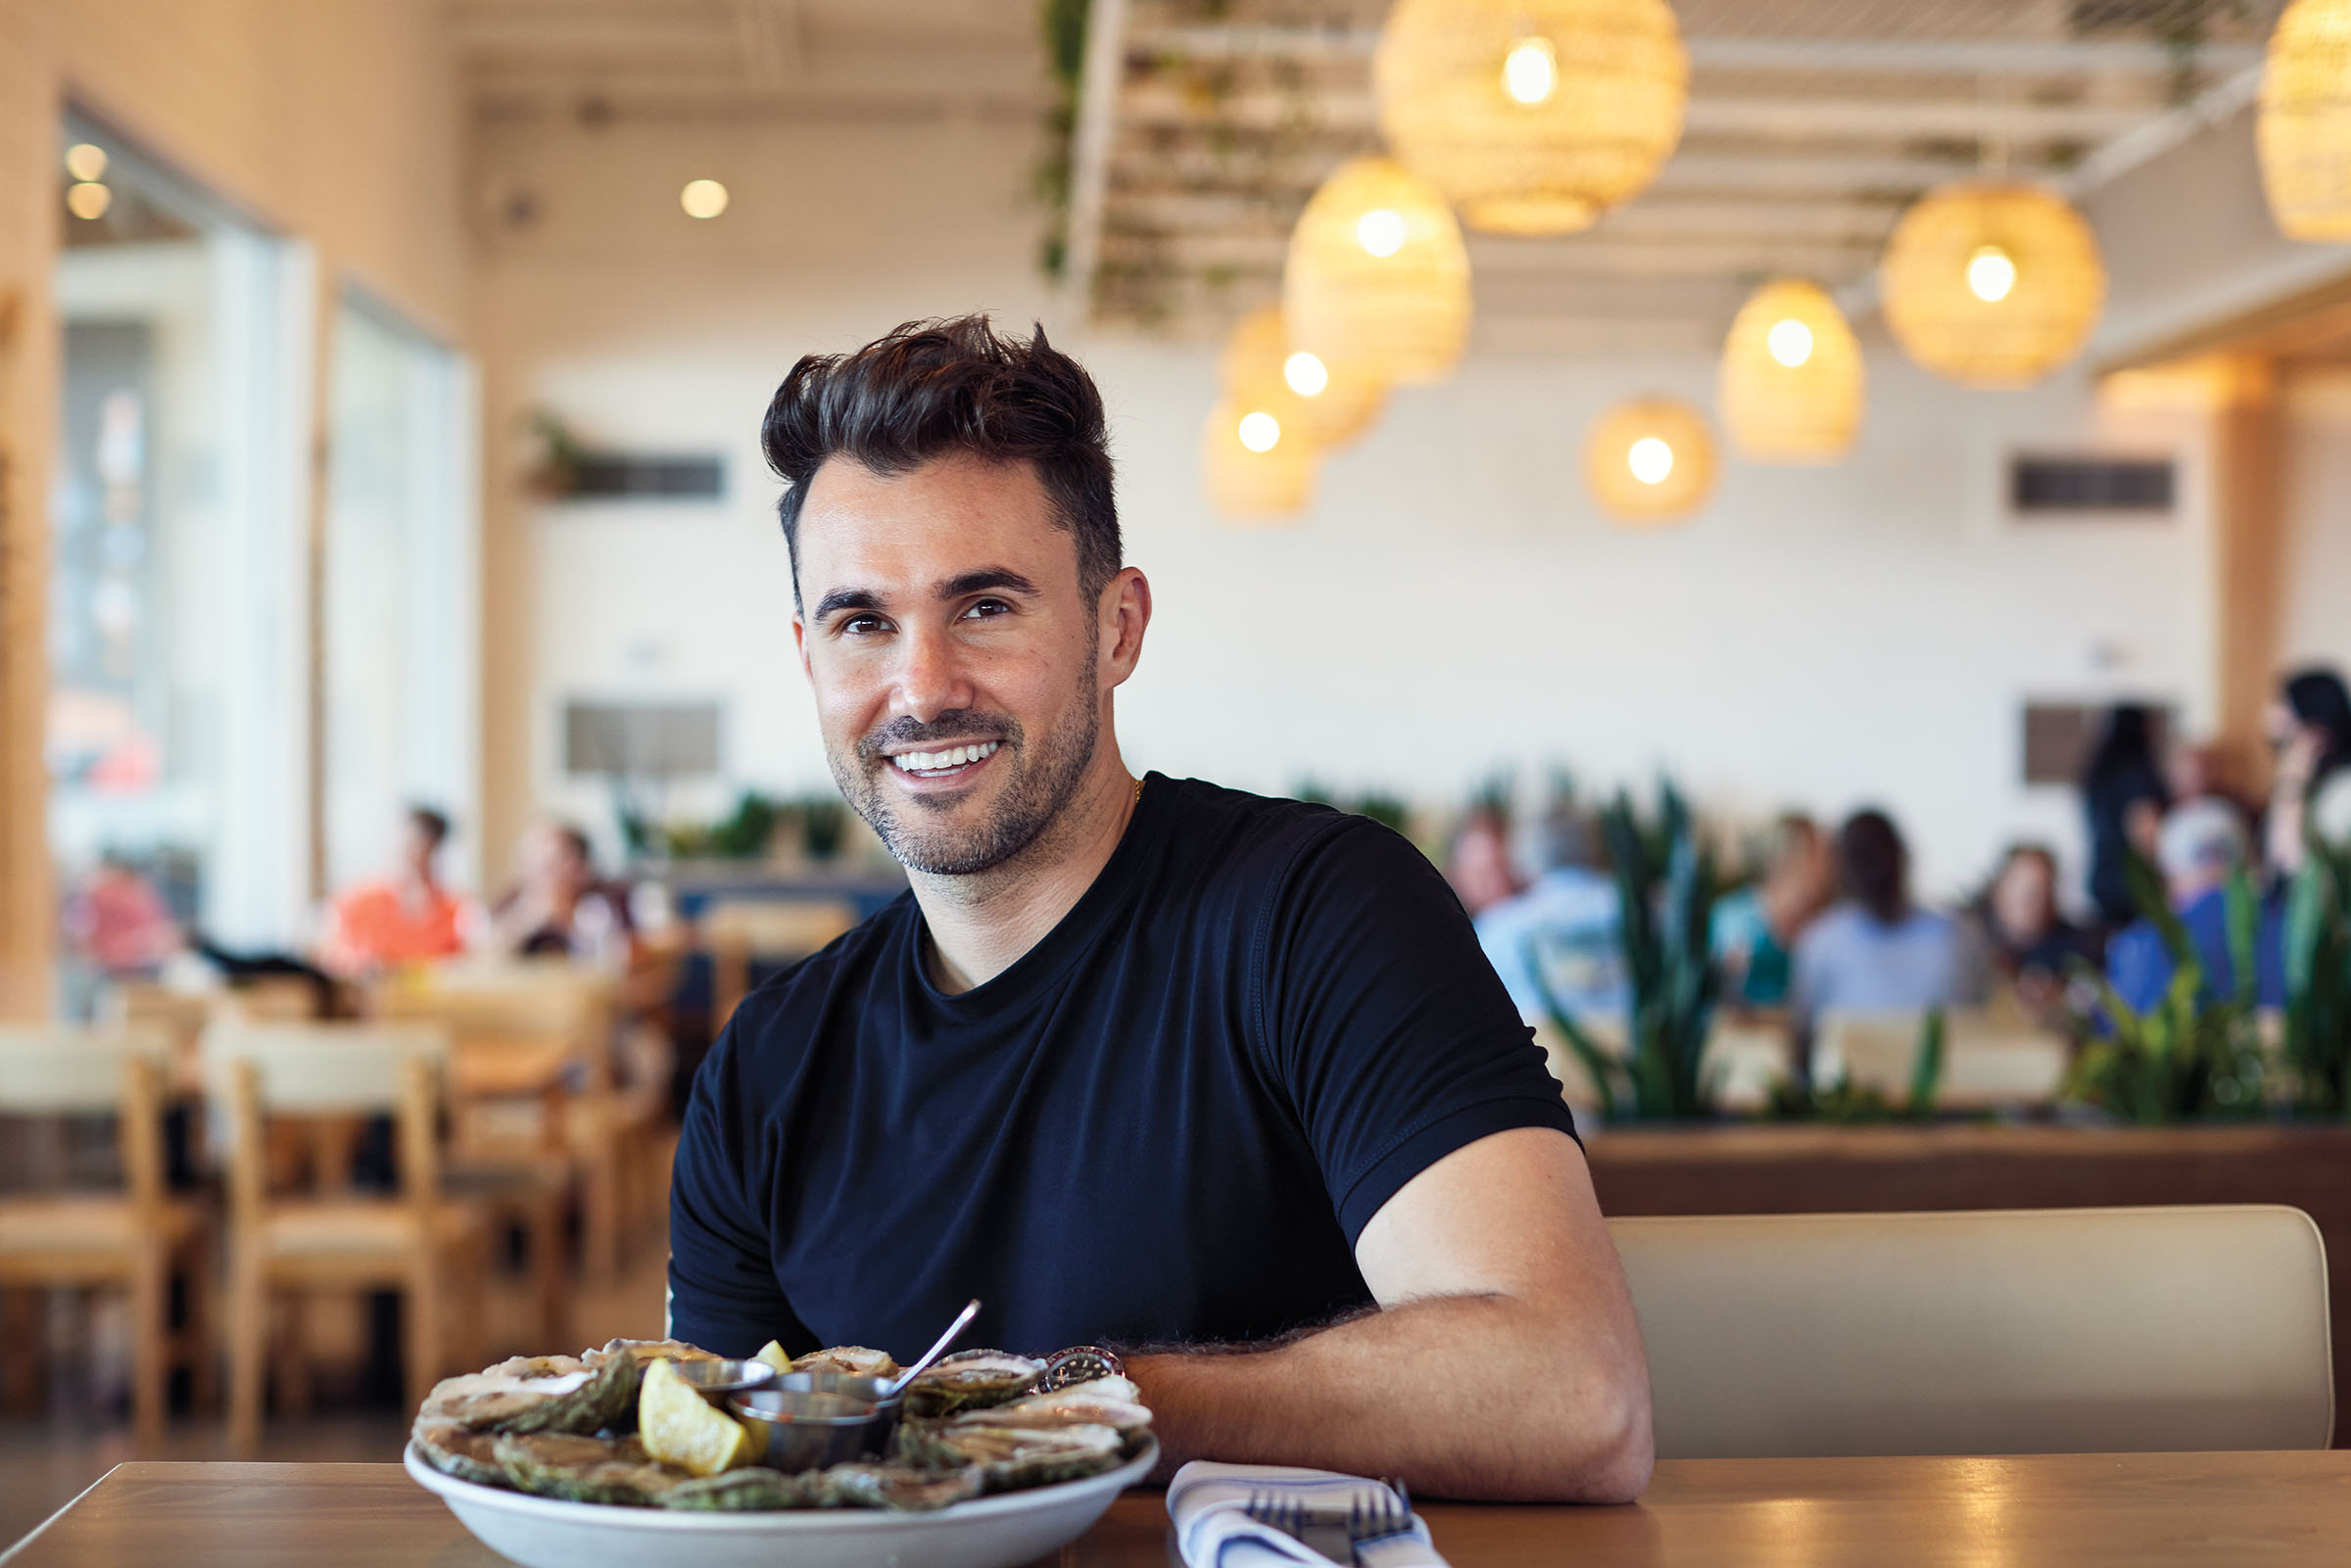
pixel 1530 72
pixel 88 200
pixel 86 161
pixel 703 198
pixel 1649 461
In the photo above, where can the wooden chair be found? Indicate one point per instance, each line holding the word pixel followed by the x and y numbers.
pixel 2041 1331
pixel 774 931
pixel 129 1239
pixel 1988 1061
pixel 532 1083
pixel 418 1242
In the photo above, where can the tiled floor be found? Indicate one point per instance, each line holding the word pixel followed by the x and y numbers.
pixel 47 1461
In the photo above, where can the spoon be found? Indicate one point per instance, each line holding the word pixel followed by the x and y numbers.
pixel 963 1320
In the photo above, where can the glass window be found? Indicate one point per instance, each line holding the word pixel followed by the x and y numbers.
pixel 399 593
pixel 175 734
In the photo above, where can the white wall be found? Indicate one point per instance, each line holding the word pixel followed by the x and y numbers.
pixel 2316 612
pixel 1816 638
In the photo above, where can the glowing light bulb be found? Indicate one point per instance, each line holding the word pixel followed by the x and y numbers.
pixel 1649 460
pixel 1789 342
pixel 703 198
pixel 1530 72
pixel 85 162
pixel 88 200
pixel 1260 431
pixel 1380 231
pixel 1306 374
pixel 1991 274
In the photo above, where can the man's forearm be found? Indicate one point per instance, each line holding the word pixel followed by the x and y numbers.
pixel 1463 1397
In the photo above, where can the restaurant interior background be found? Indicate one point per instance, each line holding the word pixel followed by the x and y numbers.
pixel 379 395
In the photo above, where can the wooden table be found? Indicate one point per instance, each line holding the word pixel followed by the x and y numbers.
pixel 2144 1510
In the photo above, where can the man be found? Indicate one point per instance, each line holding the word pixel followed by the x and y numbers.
pixel 1560 943
pixel 1222 1081
pixel 404 917
pixel 2200 848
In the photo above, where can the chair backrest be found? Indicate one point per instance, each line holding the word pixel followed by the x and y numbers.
pixel 776 927
pixel 322 1067
pixel 1745 1060
pixel 1987 1060
pixel 67 1069
pixel 2016 1331
pixel 70 1069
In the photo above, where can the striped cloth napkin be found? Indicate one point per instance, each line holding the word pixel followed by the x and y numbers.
pixel 1206 1501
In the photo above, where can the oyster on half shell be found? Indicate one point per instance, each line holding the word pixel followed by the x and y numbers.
pixel 853 1360
pixel 972 1380
pixel 581 1469
pixel 1077 1406
pixel 893 1486
pixel 1011 1457
pixel 453 1451
pixel 536 1393
pixel 755 1489
pixel 644 1351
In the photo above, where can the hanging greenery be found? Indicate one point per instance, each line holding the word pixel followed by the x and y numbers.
pixel 2317 979
pixel 1065 24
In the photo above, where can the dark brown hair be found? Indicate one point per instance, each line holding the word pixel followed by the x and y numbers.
pixel 932 388
pixel 1874 864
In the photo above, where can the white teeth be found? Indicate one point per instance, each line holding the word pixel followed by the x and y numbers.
pixel 941 761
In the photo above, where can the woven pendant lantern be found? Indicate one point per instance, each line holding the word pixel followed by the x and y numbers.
pixel 1650 461
pixel 1377 280
pixel 1252 469
pixel 1261 369
pixel 2304 128
pixel 1791 377
pixel 1991 284
pixel 1533 116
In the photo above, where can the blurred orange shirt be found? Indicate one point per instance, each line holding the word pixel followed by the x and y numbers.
pixel 373 927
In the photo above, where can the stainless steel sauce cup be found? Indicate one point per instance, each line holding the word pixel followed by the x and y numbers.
pixel 870 1390
pixel 804 1429
pixel 719 1381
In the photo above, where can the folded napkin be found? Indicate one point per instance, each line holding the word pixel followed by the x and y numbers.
pixel 1207 1500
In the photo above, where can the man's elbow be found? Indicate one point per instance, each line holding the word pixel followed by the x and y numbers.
pixel 1618 1464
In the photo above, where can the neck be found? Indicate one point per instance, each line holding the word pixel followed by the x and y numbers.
pixel 982 923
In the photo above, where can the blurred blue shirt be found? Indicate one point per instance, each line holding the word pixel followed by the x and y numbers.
pixel 2140 970
pixel 1849 959
pixel 1561 934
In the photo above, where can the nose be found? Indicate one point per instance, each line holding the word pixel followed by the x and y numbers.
pixel 931 680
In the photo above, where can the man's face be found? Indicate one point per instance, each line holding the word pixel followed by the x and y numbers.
pixel 957 667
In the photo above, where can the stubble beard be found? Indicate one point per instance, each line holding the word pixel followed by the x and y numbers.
pixel 1043 783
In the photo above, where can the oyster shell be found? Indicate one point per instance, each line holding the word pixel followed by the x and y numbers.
pixel 581 1469
pixel 1076 1406
pixel 733 1491
pixel 972 1380
pixel 453 1451
pixel 855 1360
pixel 537 1393
pixel 893 1486
pixel 1010 1457
pixel 644 1351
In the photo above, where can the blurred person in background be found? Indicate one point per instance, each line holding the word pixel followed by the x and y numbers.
pixel 2123 798
pixel 2031 945
pixel 559 907
pixel 1876 949
pixel 1755 928
pixel 1478 864
pixel 118 923
pixel 2200 847
pixel 404 917
pixel 2310 724
pixel 1558 942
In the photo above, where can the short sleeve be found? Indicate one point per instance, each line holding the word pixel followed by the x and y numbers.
pixel 1381 1018
pixel 722 1278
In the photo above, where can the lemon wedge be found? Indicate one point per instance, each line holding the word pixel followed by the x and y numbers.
pixel 773 1354
pixel 678 1427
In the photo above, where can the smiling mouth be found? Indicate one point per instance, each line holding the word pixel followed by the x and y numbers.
pixel 946 763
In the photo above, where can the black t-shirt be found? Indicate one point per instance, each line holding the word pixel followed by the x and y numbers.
pixel 1167 1121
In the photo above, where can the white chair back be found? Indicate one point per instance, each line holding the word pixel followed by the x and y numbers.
pixel 68 1070
pixel 1986 1060
pixel 322 1067
pixel 2048 1331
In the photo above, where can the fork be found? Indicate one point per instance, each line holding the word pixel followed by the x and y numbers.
pixel 1376 1520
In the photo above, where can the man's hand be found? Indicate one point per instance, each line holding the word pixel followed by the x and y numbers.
pixel 1504 1362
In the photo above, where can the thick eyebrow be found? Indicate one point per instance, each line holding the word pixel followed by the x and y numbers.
pixel 846 599
pixel 985 579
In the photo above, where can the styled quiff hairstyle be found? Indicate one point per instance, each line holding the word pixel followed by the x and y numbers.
pixel 932 388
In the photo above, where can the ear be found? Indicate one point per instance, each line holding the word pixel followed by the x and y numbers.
pixel 800 643
pixel 1124 614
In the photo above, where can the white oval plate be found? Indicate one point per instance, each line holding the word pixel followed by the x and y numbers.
pixel 1011 1527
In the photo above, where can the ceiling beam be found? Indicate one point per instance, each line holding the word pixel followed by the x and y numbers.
pixel 1940 57
pixel 1091 139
